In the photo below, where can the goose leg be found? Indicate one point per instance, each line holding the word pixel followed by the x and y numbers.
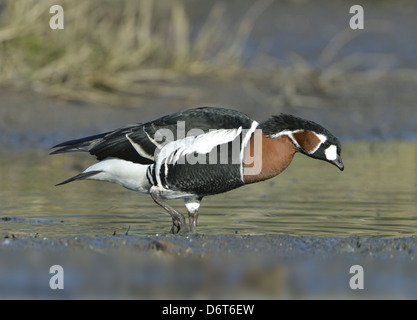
pixel 192 217
pixel 178 220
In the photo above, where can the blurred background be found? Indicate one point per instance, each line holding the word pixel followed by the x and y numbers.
pixel 261 57
pixel 128 61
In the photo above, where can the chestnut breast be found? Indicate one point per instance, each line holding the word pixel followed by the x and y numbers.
pixel 275 154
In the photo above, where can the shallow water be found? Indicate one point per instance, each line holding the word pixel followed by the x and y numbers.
pixel 376 195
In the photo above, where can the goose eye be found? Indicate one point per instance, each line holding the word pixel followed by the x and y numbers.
pixel 326 144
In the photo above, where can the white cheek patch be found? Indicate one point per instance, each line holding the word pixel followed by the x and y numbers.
pixel 331 153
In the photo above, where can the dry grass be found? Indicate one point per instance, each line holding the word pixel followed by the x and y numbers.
pixel 298 82
pixel 109 48
pixel 135 48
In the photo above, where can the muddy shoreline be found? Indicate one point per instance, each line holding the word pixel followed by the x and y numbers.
pixel 202 266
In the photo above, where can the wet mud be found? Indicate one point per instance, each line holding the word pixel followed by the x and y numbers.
pixel 204 266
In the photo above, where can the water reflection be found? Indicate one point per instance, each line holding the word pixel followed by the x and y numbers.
pixel 376 196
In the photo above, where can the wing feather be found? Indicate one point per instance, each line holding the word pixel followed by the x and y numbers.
pixel 138 142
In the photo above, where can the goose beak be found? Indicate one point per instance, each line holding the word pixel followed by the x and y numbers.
pixel 338 163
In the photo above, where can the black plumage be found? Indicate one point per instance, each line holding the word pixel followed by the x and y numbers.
pixel 115 143
pixel 206 174
pixel 284 122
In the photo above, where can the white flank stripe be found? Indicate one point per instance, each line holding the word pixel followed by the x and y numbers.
pixel 149 173
pixel 245 142
pixel 166 173
pixel 201 144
